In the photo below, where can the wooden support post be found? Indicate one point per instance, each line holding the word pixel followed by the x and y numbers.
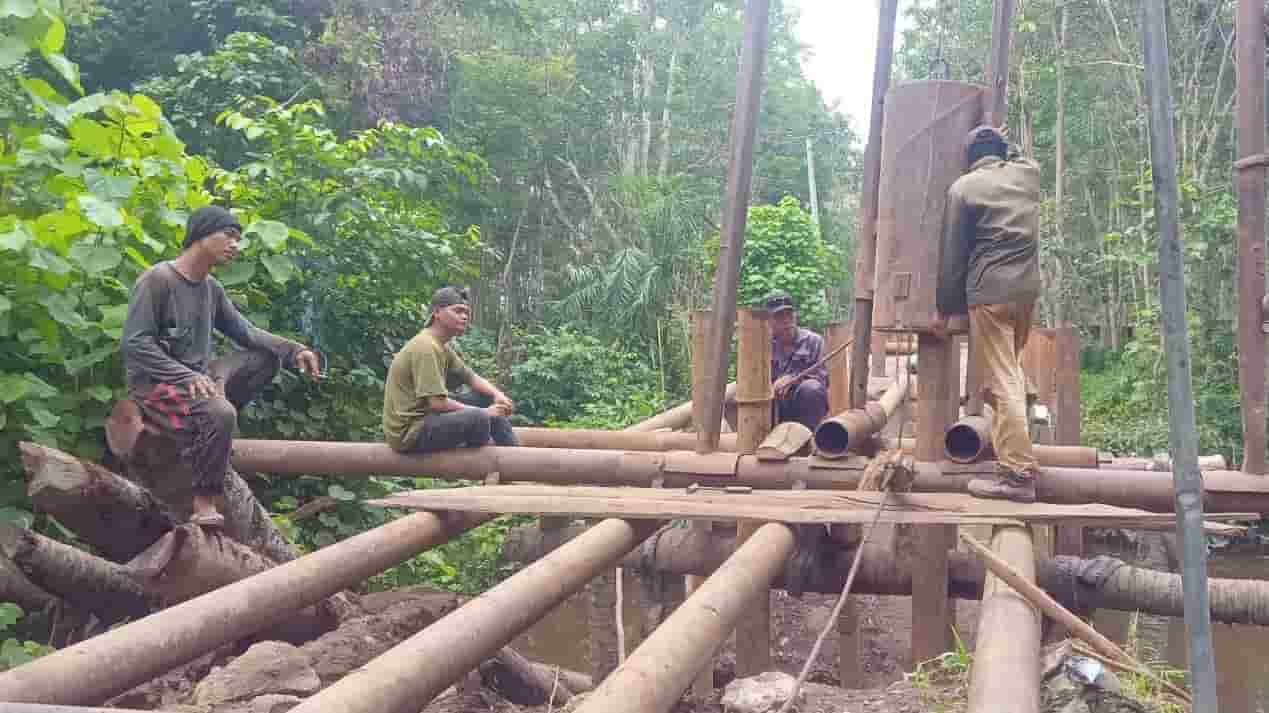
pixel 933 613
pixel 753 398
pixel 849 670
pixel 1006 674
pixel 704 684
pixel 1068 539
pixel 837 334
pixel 1249 179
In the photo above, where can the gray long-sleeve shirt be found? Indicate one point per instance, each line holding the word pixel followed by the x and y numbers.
pixel 167 335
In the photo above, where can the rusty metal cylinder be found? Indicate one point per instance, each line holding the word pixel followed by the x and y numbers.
pixel 1006 672
pixel 922 154
pixel 968 440
pixel 848 431
pixel 109 664
pixel 655 675
pixel 409 675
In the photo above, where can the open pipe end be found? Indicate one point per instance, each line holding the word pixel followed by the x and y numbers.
pixel 832 439
pixel 963 443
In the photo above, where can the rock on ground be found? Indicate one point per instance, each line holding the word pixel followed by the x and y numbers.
pixel 269 667
pixel 764 693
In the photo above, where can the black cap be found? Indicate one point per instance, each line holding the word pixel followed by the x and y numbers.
pixel 778 301
pixel 447 297
pixel 207 220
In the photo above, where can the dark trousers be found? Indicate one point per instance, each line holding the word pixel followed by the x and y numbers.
pixel 469 427
pixel 203 427
pixel 807 404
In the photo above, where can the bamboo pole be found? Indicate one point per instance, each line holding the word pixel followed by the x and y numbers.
pixel 1006 673
pixel 753 397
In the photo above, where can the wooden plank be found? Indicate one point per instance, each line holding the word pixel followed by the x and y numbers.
pixel 793 506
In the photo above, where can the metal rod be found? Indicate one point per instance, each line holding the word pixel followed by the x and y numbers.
pixel 111 663
pixel 1227 491
pixel 1006 673
pixel 866 235
pixel 412 673
pixel 657 673
pixel 1249 180
pixel 1176 343
pixel 731 245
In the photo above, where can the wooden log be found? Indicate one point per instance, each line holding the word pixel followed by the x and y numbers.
pixel 118 517
pixel 1006 673
pixel 518 680
pixel 89 583
pixel 67 623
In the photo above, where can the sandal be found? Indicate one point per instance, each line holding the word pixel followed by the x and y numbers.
pixel 208 519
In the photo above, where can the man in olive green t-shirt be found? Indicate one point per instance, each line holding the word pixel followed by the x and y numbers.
pixel 418 413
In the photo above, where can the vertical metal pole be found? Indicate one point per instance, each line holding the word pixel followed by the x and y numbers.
pixel 997 97
pixel 810 179
pixel 866 235
pixel 731 246
pixel 1188 483
pixel 1249 179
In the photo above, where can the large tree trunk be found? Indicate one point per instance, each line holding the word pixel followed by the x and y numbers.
pixel 89 583
pixel 118 517
pixel 66 623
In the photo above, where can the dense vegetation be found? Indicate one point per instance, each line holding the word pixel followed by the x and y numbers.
pixel 566 159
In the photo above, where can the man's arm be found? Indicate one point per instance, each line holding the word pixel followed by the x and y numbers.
pixel 954 263
pixel 140 345
pixel 230 322
pixel 817 352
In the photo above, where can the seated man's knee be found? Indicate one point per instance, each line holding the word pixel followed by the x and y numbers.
pixel 222 414
pixel 812 389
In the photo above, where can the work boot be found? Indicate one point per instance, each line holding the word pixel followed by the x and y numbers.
pixel 1006 485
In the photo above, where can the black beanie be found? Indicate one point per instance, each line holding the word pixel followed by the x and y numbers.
pixel 207 220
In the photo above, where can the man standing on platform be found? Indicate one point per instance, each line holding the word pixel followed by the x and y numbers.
pixel 990 268
pixel 419 415
pixel 794 350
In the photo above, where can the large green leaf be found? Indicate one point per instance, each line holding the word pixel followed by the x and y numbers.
pixel 68 69
pixel 55 38
pixel 272 232
pixel 44 96
pixel 17 238
pixel 42 415
pixel 17 8
pixel 100 211
pixel 96 356
pixel 115 188
pixel 12 50
pixel 61 307
pixel 13 387
pixel 96 259
pixel 43 259
pixel 280 267
pixel 5 304
pixel 236 272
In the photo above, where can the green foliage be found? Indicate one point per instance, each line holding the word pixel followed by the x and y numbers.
pixel 16 651
pixel 784 250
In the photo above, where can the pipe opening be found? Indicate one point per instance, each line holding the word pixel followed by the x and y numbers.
pixel 963 444
pixel 832 438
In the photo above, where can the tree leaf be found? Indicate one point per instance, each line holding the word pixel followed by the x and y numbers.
pixel 115 188
pixel 12 50
pixel 236 272
pixel 280 267
pixel 13 387
pixel 17 238
pixel 41 414
pixel 17 8
pixel 96 356
pixel 96 259
pixel 5 304
pixel 43 259
pixel 341 493
pixel 61 307
pixel 272 232
pixel 100 211
pixel 55 38
pixel 68 69
pixel 100 393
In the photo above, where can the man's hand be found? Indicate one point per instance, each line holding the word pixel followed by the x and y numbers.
pixel 499 409
pixel 939 326
pixel 783 385
pixel 202 387
pixel 308 364
pixel 500 399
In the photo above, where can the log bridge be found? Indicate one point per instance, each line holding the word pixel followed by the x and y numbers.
pixel 605 497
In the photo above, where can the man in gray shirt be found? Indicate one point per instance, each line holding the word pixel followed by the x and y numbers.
pixel 167 343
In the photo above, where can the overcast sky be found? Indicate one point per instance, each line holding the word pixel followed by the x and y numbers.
pixel 842 36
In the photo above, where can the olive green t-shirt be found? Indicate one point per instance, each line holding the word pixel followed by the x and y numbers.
pixel 423 368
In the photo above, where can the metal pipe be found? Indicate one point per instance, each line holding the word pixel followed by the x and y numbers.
pixel 109 664
pixel 1227 491
pixel 1006 673
pixel 731 244
pixel 851 430
pixel 969 439
pixel 1176 340
pixel 1048 456
pixel 410 674
pixel 654 677
pixel 598 439
pixel 866 234
pixel 1249 180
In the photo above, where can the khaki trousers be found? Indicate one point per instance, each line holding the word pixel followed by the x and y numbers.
pixel 998 334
